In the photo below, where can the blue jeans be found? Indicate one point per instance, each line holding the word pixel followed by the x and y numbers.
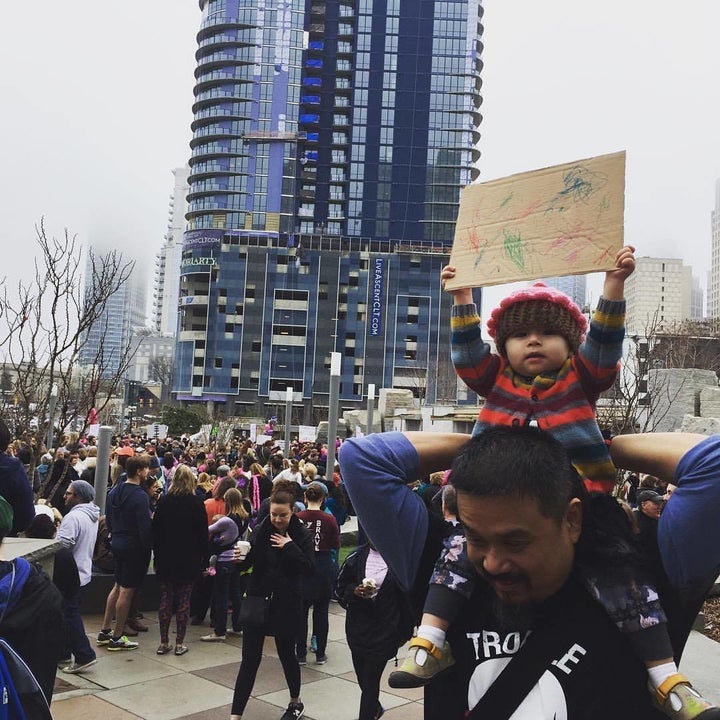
pixel 76 641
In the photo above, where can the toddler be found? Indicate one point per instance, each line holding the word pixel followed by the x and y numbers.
pixel 546 372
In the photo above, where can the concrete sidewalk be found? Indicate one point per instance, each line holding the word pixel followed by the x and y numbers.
pixel 142 684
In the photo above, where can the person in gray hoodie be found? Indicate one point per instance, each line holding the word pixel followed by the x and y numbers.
pixel 78 531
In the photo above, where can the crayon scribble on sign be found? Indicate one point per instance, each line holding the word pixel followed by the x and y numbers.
pixel 562 220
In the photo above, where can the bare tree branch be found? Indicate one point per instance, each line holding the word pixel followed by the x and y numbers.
pixel 47 321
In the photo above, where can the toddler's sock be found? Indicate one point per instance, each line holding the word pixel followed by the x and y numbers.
pixel 660 673
pixel 435 635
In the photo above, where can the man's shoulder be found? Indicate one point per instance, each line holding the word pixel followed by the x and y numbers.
pixel 10 468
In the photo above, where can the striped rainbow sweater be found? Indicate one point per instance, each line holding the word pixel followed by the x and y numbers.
pixel 563 402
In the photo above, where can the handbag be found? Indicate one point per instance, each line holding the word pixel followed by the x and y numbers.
pixel 254 610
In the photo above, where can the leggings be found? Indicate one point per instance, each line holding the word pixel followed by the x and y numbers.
pixel 252 646
pixel 174 595
pixel 369 669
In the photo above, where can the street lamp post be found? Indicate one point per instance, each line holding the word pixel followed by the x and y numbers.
pixel 288 413
pixel 333 412
pixel 51 417
pixel 370 407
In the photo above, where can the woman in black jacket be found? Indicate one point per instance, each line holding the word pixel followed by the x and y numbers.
pixel 378 620
pixel 281 554
pixel 180 543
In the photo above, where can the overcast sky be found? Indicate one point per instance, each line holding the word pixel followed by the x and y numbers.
pixel 96 109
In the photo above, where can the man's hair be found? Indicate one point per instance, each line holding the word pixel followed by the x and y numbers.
pixel 449 500
pixel 135 464
pixel 42 527
pixel 523 461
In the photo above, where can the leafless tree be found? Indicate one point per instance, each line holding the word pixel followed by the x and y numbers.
pixel 635 405
pixel 47 320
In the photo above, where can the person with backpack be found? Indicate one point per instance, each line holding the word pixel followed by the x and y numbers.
pixel 31 625
pixel 378 621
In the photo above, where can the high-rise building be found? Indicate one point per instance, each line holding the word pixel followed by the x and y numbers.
pixel 330 143
pixel 167 262
pixel 574 286
pixel 109 337
pixel 658 294
pixel 713 291
pixel 696 300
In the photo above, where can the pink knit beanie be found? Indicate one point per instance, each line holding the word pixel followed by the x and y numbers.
pixel 537 306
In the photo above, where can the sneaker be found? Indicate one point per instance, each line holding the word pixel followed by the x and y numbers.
pixel 679 700
pixel 411 675
pixel 75 668
pixel 64 661
pixel 122 643
pixel 302 660
pixel 212 637
pixel 294 711
pixel 234 633
pixel 321 659
pixel 104 637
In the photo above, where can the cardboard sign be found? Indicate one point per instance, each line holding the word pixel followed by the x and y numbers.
pixel 562 220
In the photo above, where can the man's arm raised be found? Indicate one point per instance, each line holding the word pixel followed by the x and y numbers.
pixel 377 470
pixel 654 453
pixel 436 451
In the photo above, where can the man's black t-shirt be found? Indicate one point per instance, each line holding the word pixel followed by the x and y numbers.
pixel 593 675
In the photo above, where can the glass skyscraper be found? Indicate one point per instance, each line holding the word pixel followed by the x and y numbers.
pixel 330 143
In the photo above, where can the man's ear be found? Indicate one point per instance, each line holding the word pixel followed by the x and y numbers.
pixel 573 519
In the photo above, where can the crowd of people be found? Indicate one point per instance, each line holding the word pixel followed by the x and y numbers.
pixel 531 579
pixel 211 519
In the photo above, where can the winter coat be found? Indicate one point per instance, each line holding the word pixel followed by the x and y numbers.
pixel 31 620
pixel 15 488
pixel 180 538
pixel 376 626
pixel 279 571
pixel 61 475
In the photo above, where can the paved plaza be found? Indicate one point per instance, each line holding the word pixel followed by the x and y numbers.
pixel 198 685
pixel 142 684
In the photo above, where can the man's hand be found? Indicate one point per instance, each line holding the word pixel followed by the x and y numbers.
pixel 461 296
pixel 614 287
